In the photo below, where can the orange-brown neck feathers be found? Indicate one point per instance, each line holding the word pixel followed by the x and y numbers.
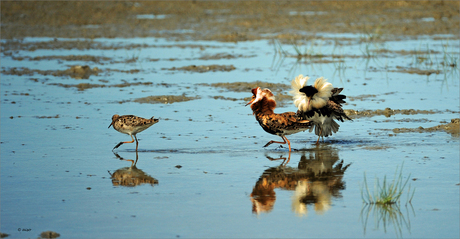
pixel 264 101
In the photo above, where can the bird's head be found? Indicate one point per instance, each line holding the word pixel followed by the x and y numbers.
pixel 262 99
pixel 306 96
pixel 114 118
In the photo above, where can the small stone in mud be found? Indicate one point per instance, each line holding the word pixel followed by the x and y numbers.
pixel 3 235
pixel 49 234
pixel 81 72
pixel 88 188
pixel 178 166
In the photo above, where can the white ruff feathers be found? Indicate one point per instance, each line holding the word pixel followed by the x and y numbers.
pixel 319 100
pixel 263 93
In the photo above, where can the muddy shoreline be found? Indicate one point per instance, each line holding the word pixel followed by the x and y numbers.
pixel 228 21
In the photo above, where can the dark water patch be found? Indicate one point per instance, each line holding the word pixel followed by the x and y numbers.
pixel 202 68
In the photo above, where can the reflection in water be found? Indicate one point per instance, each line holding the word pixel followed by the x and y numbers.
pixel 386 215
pixel 316 180
pixel 131 176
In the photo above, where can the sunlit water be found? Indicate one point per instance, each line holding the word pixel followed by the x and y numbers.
pixel 202 170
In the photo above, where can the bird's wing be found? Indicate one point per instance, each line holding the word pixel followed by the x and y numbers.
pixel 287 121
pixel 336 110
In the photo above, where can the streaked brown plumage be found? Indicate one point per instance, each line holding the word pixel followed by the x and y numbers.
pixel 131 125
pixel 263 104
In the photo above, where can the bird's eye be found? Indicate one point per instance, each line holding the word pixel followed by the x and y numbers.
pixel 253 97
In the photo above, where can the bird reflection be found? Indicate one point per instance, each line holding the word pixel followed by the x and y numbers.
pixel 131 176
pixel 315 181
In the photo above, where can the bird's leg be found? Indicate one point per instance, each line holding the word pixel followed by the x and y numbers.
pixel 320 131
pixel 137 142
pixel 289 144
pixel 271 142
pixel 127 142
pixel 285 141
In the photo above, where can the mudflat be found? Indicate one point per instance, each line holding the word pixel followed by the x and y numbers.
pixel 225 20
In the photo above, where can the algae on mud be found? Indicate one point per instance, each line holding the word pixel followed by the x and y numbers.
pixel 77 72
pixel 202 68
pixel 165 99
pixel 452 128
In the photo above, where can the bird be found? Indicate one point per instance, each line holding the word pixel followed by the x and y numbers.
pixel 319 103
pixel 131 125
pixel 263 104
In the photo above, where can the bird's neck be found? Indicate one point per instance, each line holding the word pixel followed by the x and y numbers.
pixel 264 106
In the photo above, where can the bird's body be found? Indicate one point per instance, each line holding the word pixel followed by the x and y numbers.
pixel 319 103
pixel 263 104
pixel 131 125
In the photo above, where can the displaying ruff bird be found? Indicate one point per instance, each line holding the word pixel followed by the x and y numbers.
pixel 131 125
pixel 262 104
pixel 319 103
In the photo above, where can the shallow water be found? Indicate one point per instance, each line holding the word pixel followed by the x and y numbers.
pixel 198 169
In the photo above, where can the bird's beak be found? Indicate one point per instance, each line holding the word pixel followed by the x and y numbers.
pixel 250 102
pixel 110 124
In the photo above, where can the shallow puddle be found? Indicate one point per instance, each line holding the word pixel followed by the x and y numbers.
pixel 202 170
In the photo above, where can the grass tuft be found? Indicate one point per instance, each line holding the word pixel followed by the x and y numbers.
pixel 386 192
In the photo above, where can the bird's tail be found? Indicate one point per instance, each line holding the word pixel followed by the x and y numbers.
pixel 153 120
pixel 327 129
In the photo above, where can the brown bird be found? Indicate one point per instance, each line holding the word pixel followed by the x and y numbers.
pixel 131 125
pixel 319 103
pixel 262 104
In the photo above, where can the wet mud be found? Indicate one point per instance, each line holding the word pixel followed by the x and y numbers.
pixel 165 99
pixel 202 68
pixel 411 70
pixel 226 21
pixel 49 234
pixel 452 128
pixel 86 86
pixel 77 72
pixel 387 112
